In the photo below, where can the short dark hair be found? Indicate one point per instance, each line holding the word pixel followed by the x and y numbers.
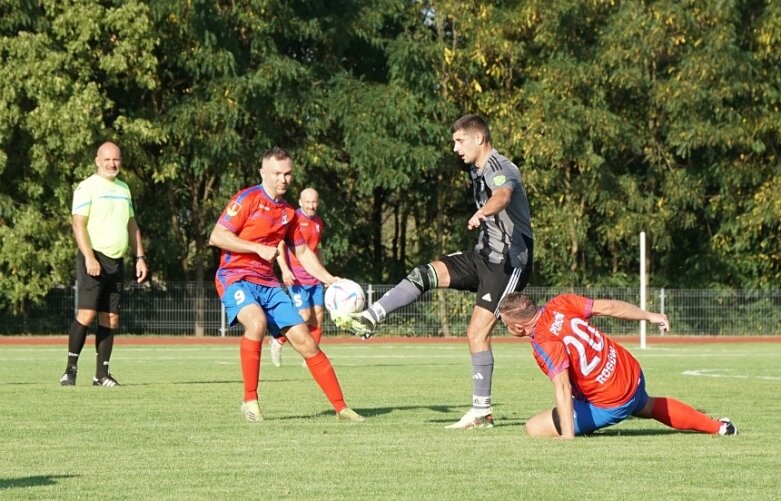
pixel 277 153
pixel 518 304
pixel 472 123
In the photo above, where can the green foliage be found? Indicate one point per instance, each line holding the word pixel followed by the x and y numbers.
pixel 623 117
pixel 59 63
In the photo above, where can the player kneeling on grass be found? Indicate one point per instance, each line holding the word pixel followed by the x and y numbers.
pixel 248 232
pixel 597 382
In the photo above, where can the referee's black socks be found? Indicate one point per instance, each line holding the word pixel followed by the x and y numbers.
pixel 77 335
pixel 104 344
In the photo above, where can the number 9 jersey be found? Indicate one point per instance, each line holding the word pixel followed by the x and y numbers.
pixel 600 370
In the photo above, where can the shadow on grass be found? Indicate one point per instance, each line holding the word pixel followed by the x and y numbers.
pixel 234 381
pixel 161 383
pixel 640 433
pixel 378 365
pixel 369 412
pixel 32 481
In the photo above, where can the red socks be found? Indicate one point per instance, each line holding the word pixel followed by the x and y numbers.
pixel 250 367
pixel 316 333
pixel 680 416
pixel 324 375
pixel 319 366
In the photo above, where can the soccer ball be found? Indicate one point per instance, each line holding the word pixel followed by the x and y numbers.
pixel 344 296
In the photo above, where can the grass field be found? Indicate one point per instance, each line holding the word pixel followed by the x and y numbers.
pixel 173 431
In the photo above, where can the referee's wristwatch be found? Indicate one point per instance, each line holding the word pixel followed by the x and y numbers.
pixel 140 258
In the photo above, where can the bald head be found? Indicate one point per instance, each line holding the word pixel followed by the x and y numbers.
pixel 108 160
pixel 309 201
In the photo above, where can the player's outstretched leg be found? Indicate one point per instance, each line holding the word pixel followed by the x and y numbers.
pixel 681 416
pixel 409 290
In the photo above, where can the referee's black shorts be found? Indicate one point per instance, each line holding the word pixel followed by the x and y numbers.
pixel 492 281
pixel 104 292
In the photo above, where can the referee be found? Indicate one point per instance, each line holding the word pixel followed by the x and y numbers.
pixel 104 225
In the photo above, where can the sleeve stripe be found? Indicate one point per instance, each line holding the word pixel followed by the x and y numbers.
pixel 493 162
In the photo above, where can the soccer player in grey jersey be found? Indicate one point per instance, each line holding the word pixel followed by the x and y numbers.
pixel 500 263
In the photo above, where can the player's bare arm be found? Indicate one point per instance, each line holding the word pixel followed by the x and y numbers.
pixel 225 239
pixel 627 311
pixel 499 201
pixel 312 264
pixel 288 278
pixel 79 226
pixel 138 249
pixel 563 393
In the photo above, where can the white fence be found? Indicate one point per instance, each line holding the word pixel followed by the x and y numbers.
pixel 185 309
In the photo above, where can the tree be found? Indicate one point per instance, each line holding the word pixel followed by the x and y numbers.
pixel 58 61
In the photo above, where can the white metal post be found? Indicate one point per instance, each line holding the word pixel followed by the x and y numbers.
pixel 223 327
pixel 642 287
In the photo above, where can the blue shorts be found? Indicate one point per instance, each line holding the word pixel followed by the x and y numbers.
pixel 307 296
pixel 589 418
pixel 279 310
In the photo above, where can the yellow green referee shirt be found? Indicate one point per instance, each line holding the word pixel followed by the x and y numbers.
pixel 108 207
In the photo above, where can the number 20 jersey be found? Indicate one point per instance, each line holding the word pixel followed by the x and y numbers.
pixel 600 370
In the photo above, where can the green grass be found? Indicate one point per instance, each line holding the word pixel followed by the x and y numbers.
pixel 174 430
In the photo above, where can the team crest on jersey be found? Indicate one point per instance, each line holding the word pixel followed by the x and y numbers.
pixel 499 180
pixel 233 209
pixel 317 228
pixel 284 218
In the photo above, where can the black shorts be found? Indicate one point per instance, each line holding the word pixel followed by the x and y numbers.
pixel 492 281
pixel 104 292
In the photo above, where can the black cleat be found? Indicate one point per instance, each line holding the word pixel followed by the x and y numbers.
pixel 69 377
pixel 107 381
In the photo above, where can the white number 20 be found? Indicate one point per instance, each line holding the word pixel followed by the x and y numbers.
pixel 590 336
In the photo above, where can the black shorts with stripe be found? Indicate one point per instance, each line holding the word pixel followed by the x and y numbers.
pixel 471 271
pixel 104 292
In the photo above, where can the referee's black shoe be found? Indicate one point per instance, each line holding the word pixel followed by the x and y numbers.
pixel 69 377
pixel 108 381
